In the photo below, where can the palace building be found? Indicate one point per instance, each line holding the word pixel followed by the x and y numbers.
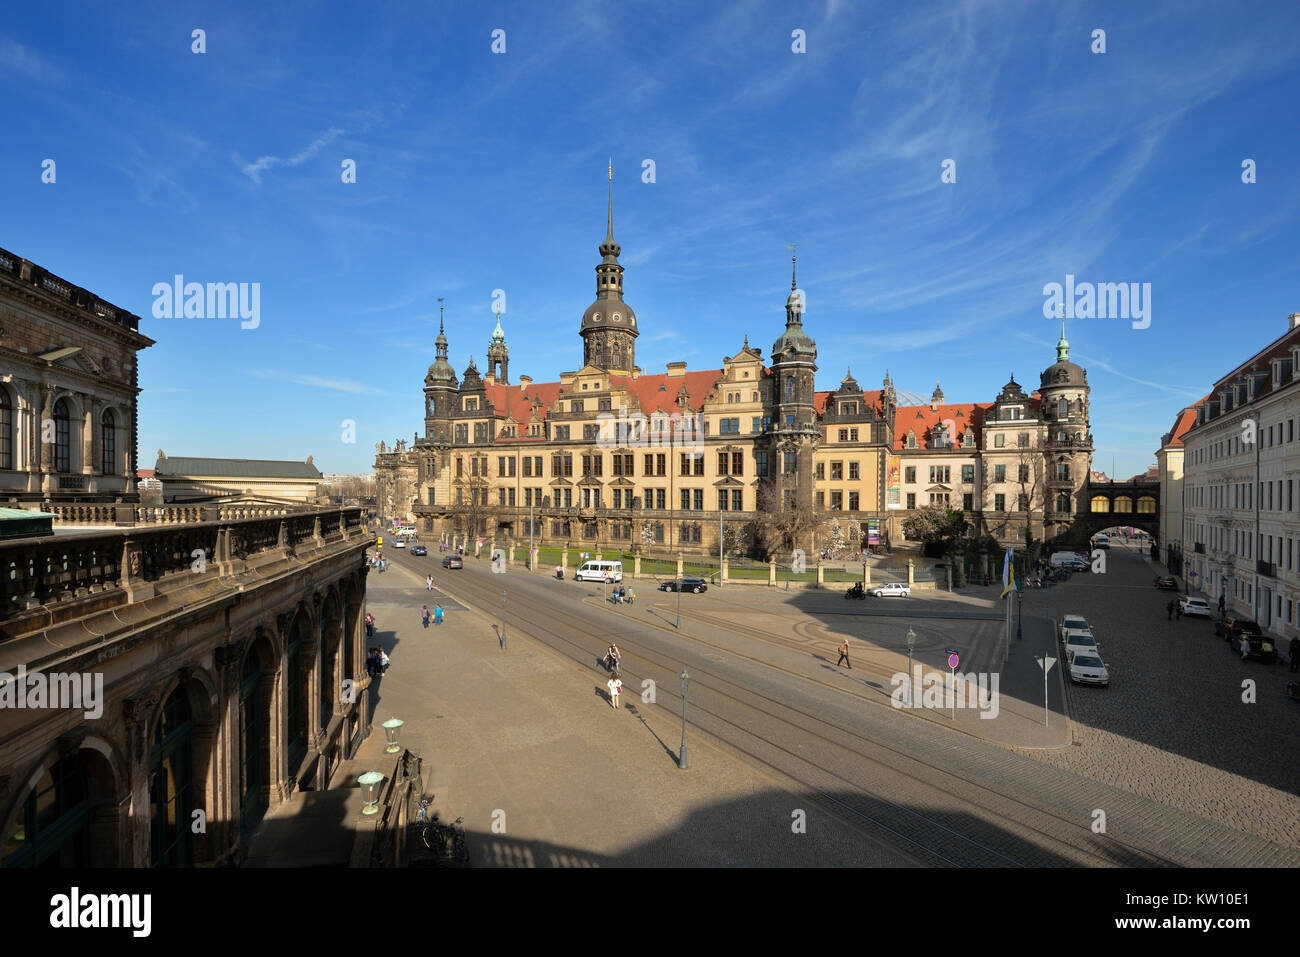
pixel 613 455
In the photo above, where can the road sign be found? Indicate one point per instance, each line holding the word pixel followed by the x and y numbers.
pixel 1046 663
pixel 952 661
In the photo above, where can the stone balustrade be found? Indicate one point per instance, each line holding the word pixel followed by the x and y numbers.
pixel 120 565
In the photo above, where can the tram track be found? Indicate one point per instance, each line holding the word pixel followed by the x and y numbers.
pixel 772 733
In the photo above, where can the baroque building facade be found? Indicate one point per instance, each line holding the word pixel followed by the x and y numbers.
pixel 613 455
pixel 68 389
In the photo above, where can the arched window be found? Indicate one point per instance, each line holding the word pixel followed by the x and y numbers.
pixel 51 829
pixel 171 784
pixel 107 444
pixel 62 437
pixel 1062 407
pixel 1100 503
pixel 1063 502
pixel 1146 505
pixel 1123 503
pixel 252 739
pixel 789 389
pixel 6 429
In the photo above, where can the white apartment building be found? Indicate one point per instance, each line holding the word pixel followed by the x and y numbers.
pixel 1241 482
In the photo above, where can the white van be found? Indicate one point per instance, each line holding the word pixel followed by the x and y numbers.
pixel 1071 560
pixel 599 571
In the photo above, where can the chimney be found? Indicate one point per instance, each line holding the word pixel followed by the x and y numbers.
pixel 524 382
pixel 490 379
pixel 636 372
pixel 1293 320
pixel 676 369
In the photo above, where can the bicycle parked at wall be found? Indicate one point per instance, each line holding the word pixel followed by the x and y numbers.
pixel 445 841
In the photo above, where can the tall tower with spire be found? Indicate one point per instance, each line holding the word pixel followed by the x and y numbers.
pixel 440 387
pixel 1065 411
pixel 609 325
pixel 795 433
pixel 498 354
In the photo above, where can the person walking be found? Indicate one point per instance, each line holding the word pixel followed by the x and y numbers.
pixel 1178 611
pixel 615 686
pixel 1170 609
pixel 631 596
pixel 844 655
pixel 429 582
pixel 424 616
pixel 1245 647
pixel 437 614
pixel 1220 606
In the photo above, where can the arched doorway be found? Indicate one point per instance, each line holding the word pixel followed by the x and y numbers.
pixel 171 784
pixel 254 736
pixel 62 822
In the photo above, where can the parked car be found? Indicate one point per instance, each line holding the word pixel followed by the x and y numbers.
pixel 1087 669
pixel 1101 541
pixel 1080 642
pixel 1194 606
pixel 453 561
pixel 399 543
pixel 695 585
pixel 419 550
pixel 890 590
pixel 1231 629
pixel 1073 623
pixel 1071 560
pixel 1167 582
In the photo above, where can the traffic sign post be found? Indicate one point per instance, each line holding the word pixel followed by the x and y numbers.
pixel 1045 663
pixel 953 660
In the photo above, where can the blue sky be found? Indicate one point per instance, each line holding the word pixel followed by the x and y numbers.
pixel 479 171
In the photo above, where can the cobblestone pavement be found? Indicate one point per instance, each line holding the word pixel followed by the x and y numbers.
pixel 1172 726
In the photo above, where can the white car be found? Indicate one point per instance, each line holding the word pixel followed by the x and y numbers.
pixel 400 543
pixel 1088 670
pixel 1194 606
pixel 891 589
pixel 1073 623
pixel 1080 642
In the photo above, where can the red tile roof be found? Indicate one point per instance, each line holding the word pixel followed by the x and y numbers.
pixel 1186 419
pixel 921 418
pixel 144 473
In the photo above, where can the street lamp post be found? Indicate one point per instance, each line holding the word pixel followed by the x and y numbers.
pixel 503 620
pixel 1020 611
pixel 911 646
pixel 686 683
pixel 677 586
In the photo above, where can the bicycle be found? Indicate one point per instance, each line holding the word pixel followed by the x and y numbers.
pixel 446 841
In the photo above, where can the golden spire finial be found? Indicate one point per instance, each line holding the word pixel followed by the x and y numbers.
pixel 611 169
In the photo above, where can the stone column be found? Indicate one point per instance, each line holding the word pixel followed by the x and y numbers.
pixel 771 571
pixel 866 574
pixel 636 566
pixel 722 570
pixel 911 573
pixel 564 562
pixel 821 575
pixel 132 582
pixel 45 429
pixel 88 443
pixel 679 564
pixel 138 711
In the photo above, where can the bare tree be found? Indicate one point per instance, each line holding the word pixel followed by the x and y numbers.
pixel 780 527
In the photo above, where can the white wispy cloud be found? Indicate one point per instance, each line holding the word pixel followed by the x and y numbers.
pixel 255 169
pixel 318 382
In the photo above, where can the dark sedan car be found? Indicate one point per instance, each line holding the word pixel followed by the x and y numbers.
pixel 1167 583
pixel 1231 629
pixel 1259 646
pixel 695 585
pixel 453 561
pixel 419 550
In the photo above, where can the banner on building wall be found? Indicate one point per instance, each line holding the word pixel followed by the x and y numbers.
pixel 893 482
pixel 873 531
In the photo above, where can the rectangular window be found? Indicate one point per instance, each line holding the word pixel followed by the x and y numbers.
pixel 618 498
pixel 1022 440
pixel 501 466
pixel 999 474
pixel 510 497
pixel 660 503
pixel 790 462
pixel 460 467
pixel 853 501
pixel 686 499
pixel 756 425
pixel 590 433
pixel 819 471
pixel 760 464
pixel 737 463
pixel 853 435
pixel 528 466
pixel 1024 474
pixel 968 502
pixel 853 472
pixel 911 500
pixel 699 499
pixel 699 463
pixel 821 499
pixel 999 503
pixel 968 473
pixel 837 471
pixel 568 465
pixel 723 460
pixel 999 441
pixel 473 467
pixel 911 475
pixel 723 499
pixel 1024 502
pixel 737 500
pixel 837 501
pixel 686 463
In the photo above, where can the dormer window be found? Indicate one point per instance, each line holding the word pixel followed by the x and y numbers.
pixel 848 408
pixel 471 405
pixel 967 440
pixel 911 440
